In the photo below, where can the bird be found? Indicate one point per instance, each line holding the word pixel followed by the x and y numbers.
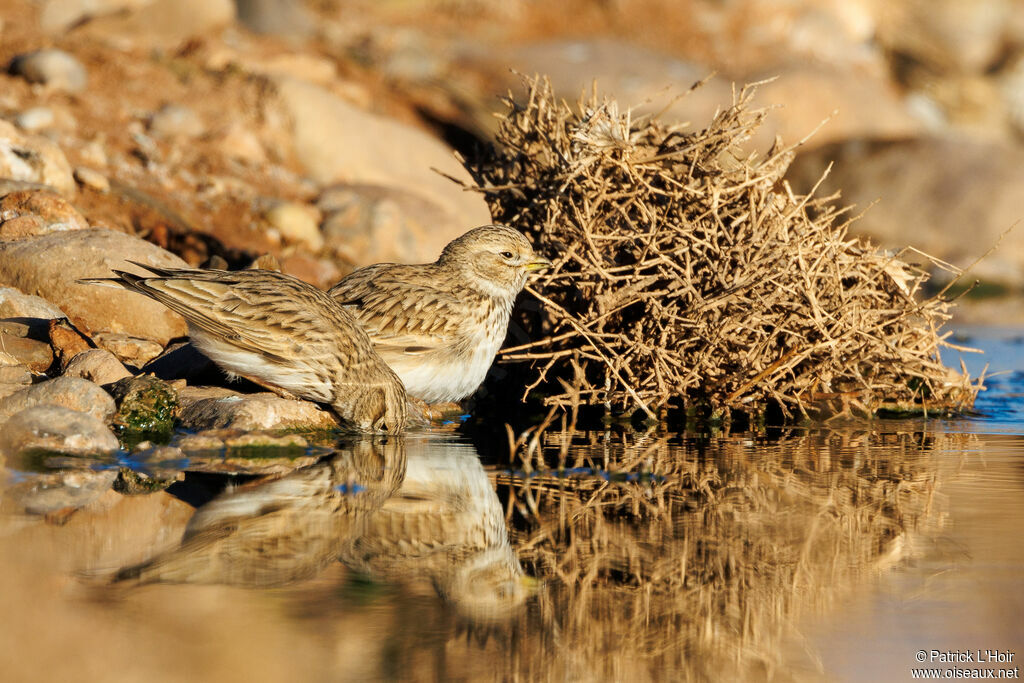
pixel 439 325
pixel 282 334
pixel 445 525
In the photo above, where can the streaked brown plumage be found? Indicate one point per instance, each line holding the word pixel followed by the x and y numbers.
pixel 283 334
pixel 439 325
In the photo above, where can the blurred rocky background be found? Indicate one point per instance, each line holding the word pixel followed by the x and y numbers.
pixel 315 130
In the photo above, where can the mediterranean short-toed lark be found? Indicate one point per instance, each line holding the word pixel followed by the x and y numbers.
pixel 439 325
pixel 283 334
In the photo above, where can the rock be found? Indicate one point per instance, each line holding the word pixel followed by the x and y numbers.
pixel 946 34
pixel 99 366
pixel 376 224
pixel 337 142
pixel 56 16
pixel 953 199
pixel 17 304
pixel 239 142
pixel 51 265
pixel 34 159
pixel 176 121
pixel 144 405
pixel 277 17
pixel 13 372
pixel 296 223
pixel 861 104
pixel 319 272
pixel 18 340
pixel 63 490
pixel 35 119
pixel 130 350
pixel 51 67
pixel 66 341
pixel 253 412
pixel 55 428
pixel 163 23
pixel 72 393
pixel 87 177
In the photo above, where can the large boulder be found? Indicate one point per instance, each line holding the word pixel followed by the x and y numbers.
pixel 950 198
pixel 51 266
pixel 338 142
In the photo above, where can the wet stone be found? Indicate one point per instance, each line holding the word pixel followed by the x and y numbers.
pixel 145 405
pixel 54 428
pixel 255 412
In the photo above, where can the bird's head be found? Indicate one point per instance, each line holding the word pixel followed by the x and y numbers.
pixel 495 259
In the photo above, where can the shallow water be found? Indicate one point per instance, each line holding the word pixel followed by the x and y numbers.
pixel 797 554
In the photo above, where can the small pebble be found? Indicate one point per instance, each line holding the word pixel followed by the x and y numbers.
pixel 51 67
pixel 296 223
pixel 95 180
pixel 35 119
pixel 175 120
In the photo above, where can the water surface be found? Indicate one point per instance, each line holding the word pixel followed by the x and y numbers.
pixel 791 554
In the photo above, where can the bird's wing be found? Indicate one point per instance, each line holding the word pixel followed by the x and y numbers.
pixel 256 311
pixel 402 308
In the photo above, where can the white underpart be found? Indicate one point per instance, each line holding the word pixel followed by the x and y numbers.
pixel 295 378
pixel 448 375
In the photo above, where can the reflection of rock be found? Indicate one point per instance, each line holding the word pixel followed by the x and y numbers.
pixel 283 530
pixel 74 488
pixel 445 524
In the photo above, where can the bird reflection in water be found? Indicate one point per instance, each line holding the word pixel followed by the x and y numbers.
pixel 401 510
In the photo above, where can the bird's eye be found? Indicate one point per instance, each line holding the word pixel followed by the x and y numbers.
pixel 506 254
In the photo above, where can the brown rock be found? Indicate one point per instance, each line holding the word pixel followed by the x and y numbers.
pixel 96 365
pixel 17 304
pixel 376 224
pixel 337 142
pixel 13 372
pixel 66 341
pixel 950 198
pixel 130 350
pixel 55 428
pixel 33 353
pixel 163 23
pixel 34 159
pixel 51 265
pixel 72 393
pixel 92 178
pixel 254 412
pixel 55 213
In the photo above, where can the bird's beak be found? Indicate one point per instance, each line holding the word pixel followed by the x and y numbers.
pixel 537 263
